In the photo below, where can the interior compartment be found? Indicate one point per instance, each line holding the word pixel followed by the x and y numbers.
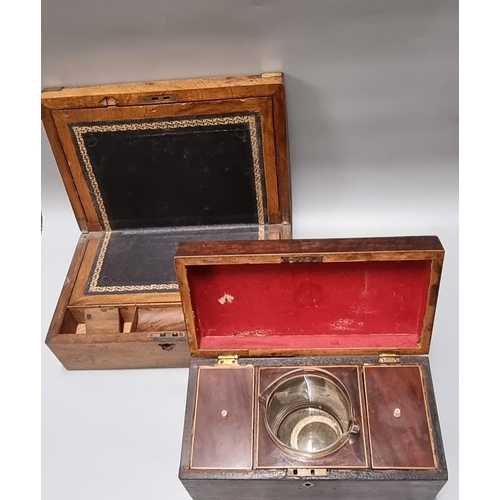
pixel 156 319
pixel 126 319
pixel 223 422
pixel 398 421
pixel 314 305
pixel 353 455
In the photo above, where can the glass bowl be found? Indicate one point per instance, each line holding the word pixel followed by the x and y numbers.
pixel 308 413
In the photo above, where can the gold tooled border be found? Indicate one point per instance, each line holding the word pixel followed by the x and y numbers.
pixel 218 367
pixel 359 374
pixel 79 131
pixel 431 433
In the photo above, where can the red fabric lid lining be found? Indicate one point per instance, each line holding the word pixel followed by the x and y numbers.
pixel 335 305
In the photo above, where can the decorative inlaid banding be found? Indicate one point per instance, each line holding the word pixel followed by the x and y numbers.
pixel 79 131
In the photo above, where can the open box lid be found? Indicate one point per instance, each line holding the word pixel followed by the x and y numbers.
pixel 310 297
pixel 172 154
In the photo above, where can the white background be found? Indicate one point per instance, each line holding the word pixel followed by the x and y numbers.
pixel 372 99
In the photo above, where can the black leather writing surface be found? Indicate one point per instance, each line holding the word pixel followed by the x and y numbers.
pixel 143 261
pixel 181 171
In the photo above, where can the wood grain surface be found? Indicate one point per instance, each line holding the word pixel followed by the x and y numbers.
pixel 398 421
pixel 136 346
pixel 223 440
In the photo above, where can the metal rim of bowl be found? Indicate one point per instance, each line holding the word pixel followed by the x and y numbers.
pixel 318 373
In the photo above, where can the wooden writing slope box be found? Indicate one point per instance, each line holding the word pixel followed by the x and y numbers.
pixel 309 376
pixel 146 166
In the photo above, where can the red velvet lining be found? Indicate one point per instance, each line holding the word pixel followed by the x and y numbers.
pixel 379 304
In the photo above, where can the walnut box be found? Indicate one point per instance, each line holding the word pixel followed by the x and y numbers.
pixel 273 326
pixel 145 166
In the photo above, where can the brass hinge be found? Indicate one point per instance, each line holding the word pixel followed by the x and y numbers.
pixel 271 75
pixel 307 472
pixel 388 358
pixel 228 360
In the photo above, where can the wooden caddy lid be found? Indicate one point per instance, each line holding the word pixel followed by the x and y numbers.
pixel 176 153
pixel 310 297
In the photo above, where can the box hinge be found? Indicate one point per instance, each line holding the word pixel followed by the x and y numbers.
pixel 228 360
pixel 388 358
pixel 271 75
